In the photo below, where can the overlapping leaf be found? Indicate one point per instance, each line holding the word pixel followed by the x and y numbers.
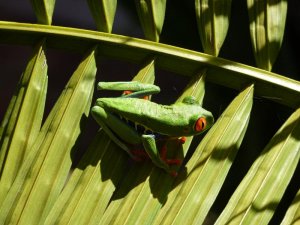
pixel 43 10
pixel 292 216
pixel 45 170
pixel 267 23
pixel 258 195
pixel 23 119
pixel 213 21
pixel 92 184
pixel 99 190
pixel 103 12
pixel 90 187
pixel 152 15
pixel 191 200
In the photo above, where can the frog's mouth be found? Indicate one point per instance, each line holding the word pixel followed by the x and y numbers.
pixel 139 128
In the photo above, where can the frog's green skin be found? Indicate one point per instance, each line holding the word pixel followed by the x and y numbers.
pixel 149 121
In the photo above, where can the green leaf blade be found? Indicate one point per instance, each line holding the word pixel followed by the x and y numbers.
pixel 128 195
pixel 89 190
pixel 23 121
pixel 43 10
pixel 260 191
pixel 51 160
pixel 213 21
pixel 103 12
pixel 151 14
pixel 292 216
pixel 191 199
pixel 267 23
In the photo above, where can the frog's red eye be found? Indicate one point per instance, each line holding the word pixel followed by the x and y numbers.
pixel 200 124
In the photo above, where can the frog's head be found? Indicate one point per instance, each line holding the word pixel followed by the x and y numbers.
pixel 180 119
pixel 197 120
pixel 200 121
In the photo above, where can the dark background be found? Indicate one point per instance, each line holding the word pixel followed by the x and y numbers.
pixel 180 29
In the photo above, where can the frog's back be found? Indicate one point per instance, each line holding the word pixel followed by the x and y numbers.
pixel 165 119
pixel 133 108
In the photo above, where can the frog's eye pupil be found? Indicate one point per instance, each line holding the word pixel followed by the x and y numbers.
pixel 200 124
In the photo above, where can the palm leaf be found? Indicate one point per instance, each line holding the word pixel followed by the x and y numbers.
pixel 43 10
pixel 292 215
pixel 103 13
pixel 213 22
pixel 105 187
pixel 207 169
pixel 38 168
pixel 22 122
pixel 267 22
pixel 263 186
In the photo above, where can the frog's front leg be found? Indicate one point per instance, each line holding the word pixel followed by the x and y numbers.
pixel 149 144
pixel 107 121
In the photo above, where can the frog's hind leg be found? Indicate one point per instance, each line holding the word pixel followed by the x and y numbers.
pixel 164 150
pixel 149 144
pixel 163 155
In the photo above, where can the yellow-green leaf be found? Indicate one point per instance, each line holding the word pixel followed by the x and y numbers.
pixel 89 190
pixel 256 198
pixel 213 21
pixel 195 87
pixel 24 117
pixel 46 168
pixel 198 186
pixel 43 10
pixel 103 12
pixel 292 216
pixel 151 14
pixel 267 23
pixel 147 72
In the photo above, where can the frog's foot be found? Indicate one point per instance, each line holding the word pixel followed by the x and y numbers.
pixel 182 140
pixel 163 156
pixel 127 92
pixel 146 97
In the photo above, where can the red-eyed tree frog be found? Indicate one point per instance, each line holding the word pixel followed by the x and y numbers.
pixel 131 120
